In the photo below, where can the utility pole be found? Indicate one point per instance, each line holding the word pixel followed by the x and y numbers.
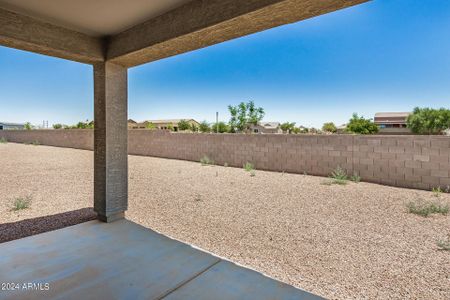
pixel 217 122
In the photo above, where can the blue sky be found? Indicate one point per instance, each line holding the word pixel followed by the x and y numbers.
pixel 386 55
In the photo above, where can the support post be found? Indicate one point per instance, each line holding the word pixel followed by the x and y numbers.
pixel 110 141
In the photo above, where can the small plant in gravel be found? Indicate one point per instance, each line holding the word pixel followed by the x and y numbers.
pixel 355 178
pixel 206 161
pixel 437 192
pixel 425 208
pixel 248 167
pixel 21 203
pixel 225 165
pixel 3 140
pixel 444 244
pixel 334 181
pixel 197 198
pixel 339 174
pixel 252 173
pixel 35 143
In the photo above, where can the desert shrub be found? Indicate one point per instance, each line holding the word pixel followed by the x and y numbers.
pixel 361 125
pixel 334 181
pixel 444 244
pixel 425 208
pixel 220 127
pixel 339 174
pixel 85 125
pixel 3 140
pixel 329 127
pixel 205 161
pixel 183 125
pixel 21 203
pixel 437 192
pixel 204 127
pixel 355 178
pixel 249 167
pixel 288 127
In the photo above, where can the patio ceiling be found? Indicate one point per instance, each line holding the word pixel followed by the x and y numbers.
pixel 95 18
pixel 131 33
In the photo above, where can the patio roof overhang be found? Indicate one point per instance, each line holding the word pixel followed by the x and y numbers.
pixel 116 35
pixel 131 33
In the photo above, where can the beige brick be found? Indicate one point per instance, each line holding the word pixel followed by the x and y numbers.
pixel 418 157
pixel 413 164
pixel 439 173
pixel 388 155
pixel 397 149
pixel 422 172
pixel 430 151
pixel 439 158
pixel 430 165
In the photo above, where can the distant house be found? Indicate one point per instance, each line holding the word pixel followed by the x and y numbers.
pixel 11 126
pixel 341 129
pixel 161 124
pixel 392 122
pixel 266 127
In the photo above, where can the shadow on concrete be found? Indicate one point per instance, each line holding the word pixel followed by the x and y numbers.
pixel 24 228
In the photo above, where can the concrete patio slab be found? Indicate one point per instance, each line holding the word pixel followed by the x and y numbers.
pixel 226 280
pixel 123 260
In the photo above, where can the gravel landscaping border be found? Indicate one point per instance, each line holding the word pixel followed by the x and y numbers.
pixel 24 228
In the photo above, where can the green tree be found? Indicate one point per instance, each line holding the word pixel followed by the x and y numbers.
pixel 296 130
pixel 193 127
pixel 361 125
pixel 28 126
pixel 170 127
pixel 220 127
pixel 204 127
pixel 287 127
pixel 84 125
pixel 150 125
pixel 183 125
pixel 428 120
pixel 243 115
pixel 329 127
pixel 58 126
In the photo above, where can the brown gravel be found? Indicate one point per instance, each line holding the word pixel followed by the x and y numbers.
pixel 353 241
pixel 24 228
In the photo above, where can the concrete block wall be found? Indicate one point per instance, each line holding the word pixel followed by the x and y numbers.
pixel 73 138
pixel 411 161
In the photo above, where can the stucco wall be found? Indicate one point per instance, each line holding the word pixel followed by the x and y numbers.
pixel 408 161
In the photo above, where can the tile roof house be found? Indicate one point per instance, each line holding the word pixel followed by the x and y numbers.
pixel 392 122
pixel 161 124
pixel 266 127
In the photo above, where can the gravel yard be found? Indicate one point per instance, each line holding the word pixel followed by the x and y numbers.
pixel 338 241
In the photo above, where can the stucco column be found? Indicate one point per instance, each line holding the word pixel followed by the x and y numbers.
pixel 110 141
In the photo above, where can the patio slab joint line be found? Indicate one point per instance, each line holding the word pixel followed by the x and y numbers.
pixel 187 281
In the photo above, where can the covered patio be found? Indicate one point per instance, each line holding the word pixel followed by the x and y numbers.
pixel 112 257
